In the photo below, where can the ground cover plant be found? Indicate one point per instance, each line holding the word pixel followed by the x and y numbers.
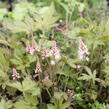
pixel 54 54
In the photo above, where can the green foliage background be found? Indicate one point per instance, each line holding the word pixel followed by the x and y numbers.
pixel 63 21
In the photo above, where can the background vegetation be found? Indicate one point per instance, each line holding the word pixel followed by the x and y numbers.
pixel 54 54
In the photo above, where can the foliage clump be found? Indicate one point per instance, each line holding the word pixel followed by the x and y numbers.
pixel 54 55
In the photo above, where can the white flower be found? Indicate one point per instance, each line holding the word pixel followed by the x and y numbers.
pixel 32 48
pixel 52 62
pixel 55 51
pixel 83 51
pixel 38 68
pixel 78 66
pixel 57 56
pixel 15 74
pixel 87 59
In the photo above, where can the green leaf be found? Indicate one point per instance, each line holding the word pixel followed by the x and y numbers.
pixel 29 99
pixel 3 11
pixel 91 76
pixel 81 7
pixel 35 91
pixel 5 43
pixel 5 104
pixel 65 105
pixel 59 95
pixel 65 6
pixel 71 63
pixel 26 85
pixel 16 26
pixel 21 104
pixel 47 19
pixel 88 70
pixel 21 10
pixel 50 106
pixel 29 102
pixel 4 64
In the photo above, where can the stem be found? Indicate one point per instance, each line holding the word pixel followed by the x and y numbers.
pixel 41 102
pixel 67 15
pixel 66 84
pixel 49 93
pixel 24 94
pixel 60 74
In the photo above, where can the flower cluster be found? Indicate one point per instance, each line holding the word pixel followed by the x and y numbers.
pixel 38 68
pixel 31 48
pixel 15 74
pixel 55 50
pixel 83 51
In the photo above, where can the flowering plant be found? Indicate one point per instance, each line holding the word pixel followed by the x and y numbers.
pixel 52 58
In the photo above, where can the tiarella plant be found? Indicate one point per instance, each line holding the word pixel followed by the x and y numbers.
pixel 54 55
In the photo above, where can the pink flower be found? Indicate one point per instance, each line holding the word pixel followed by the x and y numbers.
pixel 54 47
pixel 38 68
pixel 15 74
pixel 83 51
pixel 31 49
pixel 34 44
pixel 82 46
pixel 55 50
